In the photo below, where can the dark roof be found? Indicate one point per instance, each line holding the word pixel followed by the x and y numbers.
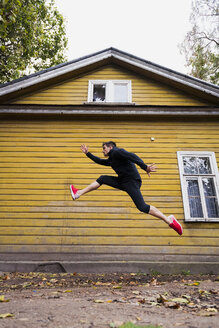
pixel 112 55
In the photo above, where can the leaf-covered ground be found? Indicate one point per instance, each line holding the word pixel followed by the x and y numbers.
pixel 63 300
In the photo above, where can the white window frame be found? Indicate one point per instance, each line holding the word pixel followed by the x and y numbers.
pixel 109 90
pixel 184 176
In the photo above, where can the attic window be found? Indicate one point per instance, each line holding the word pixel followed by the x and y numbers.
pixel 118 91
pixel 99 92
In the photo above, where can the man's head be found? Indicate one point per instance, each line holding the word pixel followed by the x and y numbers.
pixel 107 146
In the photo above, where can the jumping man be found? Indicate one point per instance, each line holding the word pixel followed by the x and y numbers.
pixel 129 180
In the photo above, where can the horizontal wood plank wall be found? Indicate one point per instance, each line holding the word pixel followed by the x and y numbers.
pixel 144 91
pixel 40 158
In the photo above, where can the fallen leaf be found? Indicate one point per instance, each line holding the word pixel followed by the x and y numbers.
pixel 179 324
pixel 117 287
pixel 203 292
pixel 204 313
pixel 26 284
pixel 68 291
pixel 2 299
pixel 153 282
pixel 211 309
pixel 179 300
pixel 99 283
pixel 172 305
pixel 98 301
pixel 162 299
pixel 192 305
pixel 136 292
pixel 188 297
pixel 142 301
pixel 6 315
pixel 196 283
pixel 132 283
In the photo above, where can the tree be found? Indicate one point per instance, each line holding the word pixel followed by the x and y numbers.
pixel 32 37
pixel 201 44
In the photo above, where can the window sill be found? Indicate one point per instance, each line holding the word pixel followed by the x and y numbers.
pixel 102 103
pixel 202 220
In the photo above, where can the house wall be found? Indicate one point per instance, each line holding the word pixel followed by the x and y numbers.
pixel 39 221
pixel 145 91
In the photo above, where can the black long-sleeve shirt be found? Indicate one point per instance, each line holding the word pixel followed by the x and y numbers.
pixel 122 162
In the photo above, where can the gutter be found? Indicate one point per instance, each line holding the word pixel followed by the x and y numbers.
pixel 113 110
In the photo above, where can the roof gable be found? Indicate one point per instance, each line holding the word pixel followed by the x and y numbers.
pixel 145 91
pixel 62 72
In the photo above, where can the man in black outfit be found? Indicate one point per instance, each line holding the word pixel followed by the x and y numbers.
pixel 128 180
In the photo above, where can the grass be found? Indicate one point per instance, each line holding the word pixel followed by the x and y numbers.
pixel 132 325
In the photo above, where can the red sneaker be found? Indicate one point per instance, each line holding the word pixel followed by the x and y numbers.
pixel 175 225
pixel 74 192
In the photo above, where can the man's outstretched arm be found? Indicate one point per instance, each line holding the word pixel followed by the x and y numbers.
pixel 95 159
pixel 137 160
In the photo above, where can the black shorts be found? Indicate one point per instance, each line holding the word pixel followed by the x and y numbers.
pixel 132 187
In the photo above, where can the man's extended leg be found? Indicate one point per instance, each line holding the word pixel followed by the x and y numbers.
pixel 76 193
pixel 103 179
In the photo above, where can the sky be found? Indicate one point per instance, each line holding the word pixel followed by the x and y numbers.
pixel 149 29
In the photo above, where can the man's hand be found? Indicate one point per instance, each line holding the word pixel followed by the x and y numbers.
pixel 84 148
pixel 151 168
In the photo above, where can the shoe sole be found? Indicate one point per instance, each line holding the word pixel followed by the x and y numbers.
pixel 72 194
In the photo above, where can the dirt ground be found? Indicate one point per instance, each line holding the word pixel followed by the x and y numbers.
pixel 33 300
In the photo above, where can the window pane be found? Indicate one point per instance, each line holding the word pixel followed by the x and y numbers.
pixel 192 187
pixel 210 198
pixel 99 92
pixel 204 165
pixel 194 199
pixel 120 92
pixel 209 188
pixel 189 164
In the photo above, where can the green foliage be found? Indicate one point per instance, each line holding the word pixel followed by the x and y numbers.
pixel 132 325
pixel 32 37
pixel 186 273
pixel 201 44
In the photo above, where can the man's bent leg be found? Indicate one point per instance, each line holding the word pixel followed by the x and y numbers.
pixel 134 192
pixel 158 214
pixel 170 220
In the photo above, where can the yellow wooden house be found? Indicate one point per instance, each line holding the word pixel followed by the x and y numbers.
pixel 163 116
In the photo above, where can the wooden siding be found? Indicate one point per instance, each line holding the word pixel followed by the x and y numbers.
pixel 40 158
pixel 144 91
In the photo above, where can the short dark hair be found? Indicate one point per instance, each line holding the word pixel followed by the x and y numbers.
pixel 109 144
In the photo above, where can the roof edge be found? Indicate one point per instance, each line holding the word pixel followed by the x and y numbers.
pixel 116 54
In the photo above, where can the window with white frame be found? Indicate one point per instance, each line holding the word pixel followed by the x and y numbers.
pixel 118 91
pixel 200 185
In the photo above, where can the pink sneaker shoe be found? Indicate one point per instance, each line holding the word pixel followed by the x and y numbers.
pixel 175 225
pixel 74 192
